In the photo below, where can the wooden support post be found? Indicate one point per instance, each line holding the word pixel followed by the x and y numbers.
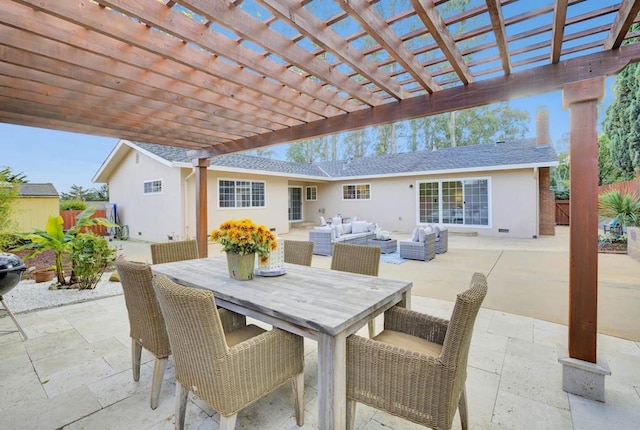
pixel 582 98
pixel 202 234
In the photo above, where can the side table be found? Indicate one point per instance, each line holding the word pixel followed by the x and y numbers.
pixel 386 246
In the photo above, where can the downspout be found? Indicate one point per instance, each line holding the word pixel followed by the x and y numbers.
pixel 185 204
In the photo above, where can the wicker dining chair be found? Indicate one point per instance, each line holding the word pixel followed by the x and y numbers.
pixel 225 362
pixel 298 252
pixel 417 367
pixel 361 259
pixel 168 252
pixel 146 324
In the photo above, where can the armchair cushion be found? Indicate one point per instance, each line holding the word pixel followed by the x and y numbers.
pixel 411 343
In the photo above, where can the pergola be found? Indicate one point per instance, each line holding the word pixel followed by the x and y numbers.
pixel 221 76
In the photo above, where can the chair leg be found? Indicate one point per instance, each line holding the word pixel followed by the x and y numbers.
pixel 351 414
pixel 181 405
pixel 462 408
pixel 228 423
pixel 297 383
pixel 136 354
pixel 156 383
pixel 372 328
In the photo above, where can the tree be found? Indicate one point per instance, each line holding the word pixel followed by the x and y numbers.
pixel 306 151
pixel 622 123
pixel 608 172
pixel 77 192
pixel 99 194
pixel 7 175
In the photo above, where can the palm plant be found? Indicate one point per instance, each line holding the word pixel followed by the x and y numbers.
pixel 623 206
pixel 54 237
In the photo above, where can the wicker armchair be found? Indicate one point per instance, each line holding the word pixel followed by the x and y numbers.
pixel 146 324
pixel 424 251
pixel 417 367
pixel 361 259
pixel 442 241
pixel 225 362
pixel 298 252
pixel 174 251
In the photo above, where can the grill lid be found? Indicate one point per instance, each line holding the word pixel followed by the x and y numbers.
pixel 10 263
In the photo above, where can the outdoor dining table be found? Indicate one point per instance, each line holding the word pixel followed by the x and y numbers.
pixel 321 304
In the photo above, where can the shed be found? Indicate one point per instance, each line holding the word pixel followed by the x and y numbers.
pixel 35 203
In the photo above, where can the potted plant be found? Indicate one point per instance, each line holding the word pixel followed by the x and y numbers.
pixel 59 241
pixel 45 274
pixel 242 240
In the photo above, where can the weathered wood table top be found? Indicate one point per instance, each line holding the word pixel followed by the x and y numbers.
pixel 325 305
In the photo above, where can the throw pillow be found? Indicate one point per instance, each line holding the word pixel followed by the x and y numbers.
pixel 346 229
pixel 415 236
pixel 337 230
pixel 436 230
pixel 359 227
pixel 336 220
pixel 422 234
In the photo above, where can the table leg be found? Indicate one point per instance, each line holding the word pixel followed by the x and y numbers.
pixel 332 387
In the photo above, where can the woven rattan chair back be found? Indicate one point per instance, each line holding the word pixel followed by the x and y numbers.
pixel 146 323
pixel 145 317
pixel 298 252
pixel 174 251
pixel 455 349
pixel 361 259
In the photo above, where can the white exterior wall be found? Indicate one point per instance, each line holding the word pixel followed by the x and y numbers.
pixel 273 215
pixel 150 217
pixel 394 204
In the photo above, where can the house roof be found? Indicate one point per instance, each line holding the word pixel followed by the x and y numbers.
pixel 522 153
pixel 37 190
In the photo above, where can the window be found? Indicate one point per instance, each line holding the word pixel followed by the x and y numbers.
pixel 241 194
pixel 356 192
pixel 153 187
pixel 312 193
pixel 464 202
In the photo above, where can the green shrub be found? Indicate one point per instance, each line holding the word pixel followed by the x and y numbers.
pixel 90 257
pixel 623 206
pixel 9 241
pixel 73 205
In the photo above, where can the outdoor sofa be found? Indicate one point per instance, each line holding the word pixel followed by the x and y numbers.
pixel 356 232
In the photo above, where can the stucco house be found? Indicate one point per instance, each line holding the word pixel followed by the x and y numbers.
pixel 496 189
pixel 34 204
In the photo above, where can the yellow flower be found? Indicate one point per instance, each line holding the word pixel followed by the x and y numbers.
pixel 245 237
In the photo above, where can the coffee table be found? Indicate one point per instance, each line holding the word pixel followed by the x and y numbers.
pixel 386 246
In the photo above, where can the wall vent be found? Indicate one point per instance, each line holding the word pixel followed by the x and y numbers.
pixel 503 230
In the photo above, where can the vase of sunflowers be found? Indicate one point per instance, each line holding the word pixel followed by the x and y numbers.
pixel 242 240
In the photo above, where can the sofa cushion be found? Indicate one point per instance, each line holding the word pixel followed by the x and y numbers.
pixel 337 230
pixel 359 227
pixel 415 236
pixel 346 229
pixel 423 232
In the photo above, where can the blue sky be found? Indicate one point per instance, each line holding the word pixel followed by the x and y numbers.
pixel 66 159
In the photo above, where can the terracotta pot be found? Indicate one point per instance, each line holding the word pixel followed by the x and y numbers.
pixel 44 275
pixel 241 266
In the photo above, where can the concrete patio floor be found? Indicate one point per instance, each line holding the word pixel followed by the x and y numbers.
pixel 74 372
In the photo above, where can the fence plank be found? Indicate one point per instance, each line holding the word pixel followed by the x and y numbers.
pixel 69 218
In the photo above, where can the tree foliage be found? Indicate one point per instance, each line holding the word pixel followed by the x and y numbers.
pixel 7 175
pixel 608 172
pixel 78 192
pixel 622 121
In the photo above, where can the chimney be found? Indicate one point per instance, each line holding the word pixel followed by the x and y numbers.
pixel 542 127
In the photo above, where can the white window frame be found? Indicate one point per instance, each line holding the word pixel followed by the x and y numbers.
pixel 297 187
pixel 314 191
pixel 357 195
pixel 154 184
pixel 440 201
pixel 235 193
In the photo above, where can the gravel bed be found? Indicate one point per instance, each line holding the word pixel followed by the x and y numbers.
pixel 29 296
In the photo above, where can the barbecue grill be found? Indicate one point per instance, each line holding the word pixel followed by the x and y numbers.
pixel 11 270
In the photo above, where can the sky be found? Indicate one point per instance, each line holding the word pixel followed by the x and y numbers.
pixel 67 159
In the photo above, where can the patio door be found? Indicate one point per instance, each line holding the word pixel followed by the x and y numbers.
pixel 295 204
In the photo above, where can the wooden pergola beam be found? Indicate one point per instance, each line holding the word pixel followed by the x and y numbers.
pixel 426 10
pixel 559 18
pixel 627 14
pixel 362 11
pixel 539 80
pixel 316 30
pixel 497 22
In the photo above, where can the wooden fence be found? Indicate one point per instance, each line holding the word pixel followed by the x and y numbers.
pixel 626 187
pixel 69 218
pixel 562 212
